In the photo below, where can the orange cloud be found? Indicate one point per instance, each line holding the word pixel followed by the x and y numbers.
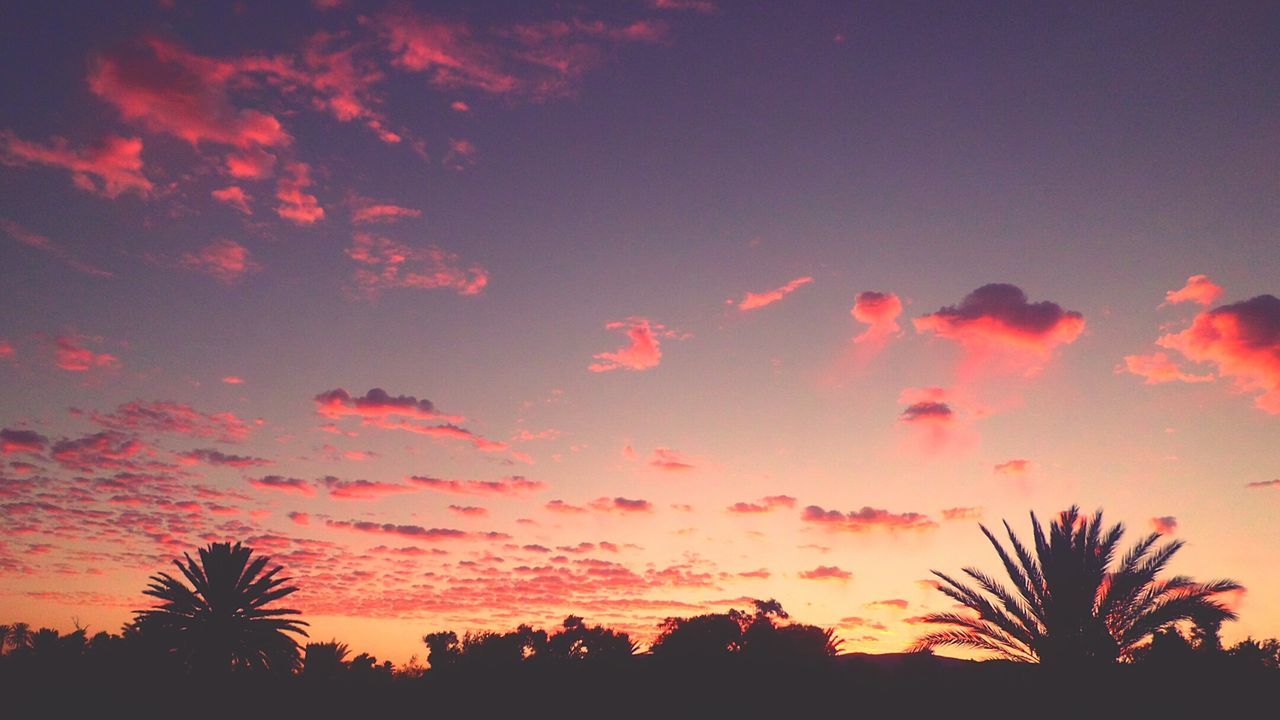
pixel 235 196
pixel 1013 467
pixel 998 319
pixel 110 168
pixel 752 301
pixel 1243 341
pixel 880 310
pixel 643 352
pixel 1264 483
pixel 826 572
pixel 223 260
pixel 387 264
pixel 962 513
pixel 296 204
pixel 1165 525
pixel 70 354
pixel 868 518
pixel 1199 289
pixel 1157 368
pixel 233 380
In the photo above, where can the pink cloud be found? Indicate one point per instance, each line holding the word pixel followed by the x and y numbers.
pixel 1243 341
pixel 560 506
pixel 1199 289
pixel 512 486
pixel 447 51
pixel 293 485
pixel 1165 525
pixel 71 354
pixel 997 319
pixel 363 489
pixel 296 204
pixel 382 213
pixel 459 106
pixel 223 260
pixel 1157 368
pixel 962 513
pixel 621 505
pixel 110 168
pixel 1264 484
pixel 235 196
pixel 700 6
pixel 469 510
pixel 164 416
pixel 1013 467
pixel 385 264
pixel 868 518
pixel 209 456
pixel 927 411
pixel 641 354
pixel 22 441
pixel 377 403
pixel 826 572
pixel 752 301
pixel 891 603
pixel 880 310
pixel 413 532
pixel 670 460
pixel 252 163
pixel 44 244
pixel 7 351
pixel 233 380
pixel 300 518
pixel 766 504
pixel 169 90
pixel 461 154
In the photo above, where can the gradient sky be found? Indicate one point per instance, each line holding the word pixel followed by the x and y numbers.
pixel 481 313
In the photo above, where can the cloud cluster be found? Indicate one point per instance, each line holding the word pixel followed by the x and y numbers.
pixel 643 351
pixel 754 301
pixel 866 519
pixel 386 264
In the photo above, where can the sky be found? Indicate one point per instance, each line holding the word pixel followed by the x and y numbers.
pixel 474 314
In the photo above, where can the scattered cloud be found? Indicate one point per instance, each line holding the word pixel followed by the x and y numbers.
pixel 45 245
pixel 621 505
pixel 642 353
pixel 880 310
pixel 962 513
pixel 386 264
pixel 1013 467
pixel 296 204
pixel 826 572
pixel 377 403
pixel 362 489
pixel 372 212
pixel 1165 525
pixel 998 320
pixel 670 460
pixel 235 196
pixel 753 301
pixel 511 486
pixel 110 168
pixel 1158 368
pixel 22 441
pixel 223 260
pixel 293 485
pixel 868 518
pixel 765 505
pixel 1264 483
pixel 1242 341
pixel 1199 289
pixel 164 416
pixel 70 354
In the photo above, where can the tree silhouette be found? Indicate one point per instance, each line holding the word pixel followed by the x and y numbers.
pixel 324 660
pixel 222 622
pixel 1068 605
pixel 579 642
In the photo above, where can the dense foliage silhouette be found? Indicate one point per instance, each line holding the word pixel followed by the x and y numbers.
pixel 1069 605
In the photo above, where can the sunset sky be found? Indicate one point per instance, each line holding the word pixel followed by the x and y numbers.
pixel 480 313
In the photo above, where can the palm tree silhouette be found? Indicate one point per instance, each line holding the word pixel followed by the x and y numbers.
pixel 1068 605
pixel 222 622
pixel 324 660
